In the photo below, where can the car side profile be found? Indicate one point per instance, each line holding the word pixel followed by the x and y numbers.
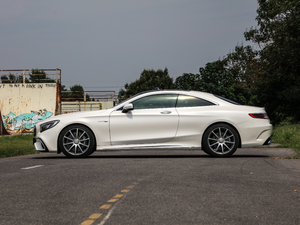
pixel 172 119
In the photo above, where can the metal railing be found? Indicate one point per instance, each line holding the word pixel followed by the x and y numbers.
pixel 31 76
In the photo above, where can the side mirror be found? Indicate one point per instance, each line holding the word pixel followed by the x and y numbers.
pixel 127 107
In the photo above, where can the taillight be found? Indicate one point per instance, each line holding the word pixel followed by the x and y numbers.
pixel 259 115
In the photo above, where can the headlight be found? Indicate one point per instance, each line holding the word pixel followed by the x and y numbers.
pixel 48 125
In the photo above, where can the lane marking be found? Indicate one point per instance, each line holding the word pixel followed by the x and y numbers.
pixel 87 222
pixel 110 212
pixel 113 200
pixel 31 167
pixel 107 206
pixel 95 216
pixel 116 198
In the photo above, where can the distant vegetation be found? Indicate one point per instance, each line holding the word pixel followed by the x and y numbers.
pixel 36 76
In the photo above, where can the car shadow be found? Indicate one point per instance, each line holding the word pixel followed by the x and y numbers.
pixel 149 156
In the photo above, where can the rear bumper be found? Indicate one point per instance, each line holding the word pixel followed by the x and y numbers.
pixel 268 141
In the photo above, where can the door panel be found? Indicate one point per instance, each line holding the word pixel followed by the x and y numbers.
pixel 194 115
pixel 143 126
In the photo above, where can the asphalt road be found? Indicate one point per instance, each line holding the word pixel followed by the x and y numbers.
pixel 255 186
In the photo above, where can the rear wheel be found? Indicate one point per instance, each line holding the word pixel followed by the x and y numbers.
pixel 76 141
pixel 220 140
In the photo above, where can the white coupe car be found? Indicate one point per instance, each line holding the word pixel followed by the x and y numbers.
pixel 172 119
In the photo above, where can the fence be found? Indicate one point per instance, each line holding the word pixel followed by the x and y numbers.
pixel 75 101
pixel 77 106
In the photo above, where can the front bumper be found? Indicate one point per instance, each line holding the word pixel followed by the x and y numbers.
pixel 39 145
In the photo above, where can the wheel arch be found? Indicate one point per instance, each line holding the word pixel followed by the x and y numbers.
pixel 222 122
pixel 81 124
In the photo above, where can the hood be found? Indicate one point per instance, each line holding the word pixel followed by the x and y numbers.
pixel 75 114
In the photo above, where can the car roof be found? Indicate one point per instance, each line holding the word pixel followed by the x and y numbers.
pixel 177 91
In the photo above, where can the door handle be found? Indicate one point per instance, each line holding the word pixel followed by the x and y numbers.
pixel 166 112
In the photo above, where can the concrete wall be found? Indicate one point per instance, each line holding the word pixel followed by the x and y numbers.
pixel 23 105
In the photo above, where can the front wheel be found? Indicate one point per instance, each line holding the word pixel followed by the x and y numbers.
pixel 220 140
pixel 76 141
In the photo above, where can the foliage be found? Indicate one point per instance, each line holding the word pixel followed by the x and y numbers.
pixel 16 145
pixel 12 79
pixel 5 80
pixel 64 93
pixel 243 63
pixel 36 76
pixel 277 74
pixel 149 80
pixel 39 76
pixel 216 78
pixel 76 93
pixel 288 136
pixel 188 81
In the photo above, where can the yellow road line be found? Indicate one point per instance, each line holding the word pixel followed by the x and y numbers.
pixel 118 196
pixel 113 200
pixel 107 206
pixel 95 216
pixel 87 222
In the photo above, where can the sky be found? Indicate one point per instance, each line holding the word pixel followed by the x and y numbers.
pixel 103 44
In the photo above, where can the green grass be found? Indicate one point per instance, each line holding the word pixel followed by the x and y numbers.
pixel 16 145
pixel 288 136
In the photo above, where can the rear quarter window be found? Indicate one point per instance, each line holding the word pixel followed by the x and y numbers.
pixel 191 101
pixel 227 100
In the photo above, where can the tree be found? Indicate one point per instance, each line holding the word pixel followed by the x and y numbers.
pixel 188 81
pixel 76 93
pixel 277 83
pixel 65 94
pixel 218 79
pixel 39 76
pixel 4 79
pixel 244 63
pixel 149 80
pixel 12 79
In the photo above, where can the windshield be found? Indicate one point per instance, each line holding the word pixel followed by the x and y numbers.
pixel 128 99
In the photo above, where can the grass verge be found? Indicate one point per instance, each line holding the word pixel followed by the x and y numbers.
pixel 16 145
pixel 288 136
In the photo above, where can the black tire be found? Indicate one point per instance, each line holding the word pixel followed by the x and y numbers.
pixel 76 141
pixel 220 140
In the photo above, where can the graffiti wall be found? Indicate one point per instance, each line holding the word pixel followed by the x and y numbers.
pixel 23 105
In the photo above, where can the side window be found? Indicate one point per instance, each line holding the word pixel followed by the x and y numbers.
pixel 190 101
pixel 155 101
